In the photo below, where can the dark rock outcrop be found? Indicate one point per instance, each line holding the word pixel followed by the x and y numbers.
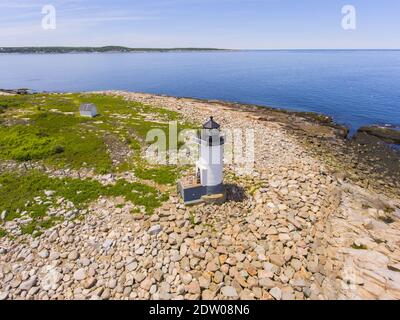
pixel 16 91
pixel 388 134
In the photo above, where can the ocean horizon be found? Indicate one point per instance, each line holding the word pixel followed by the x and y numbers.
pixel 356 87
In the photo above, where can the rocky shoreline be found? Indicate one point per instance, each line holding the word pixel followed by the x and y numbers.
pixel 14 91
pixel 317 218
pixel 366 157
pixel 387 133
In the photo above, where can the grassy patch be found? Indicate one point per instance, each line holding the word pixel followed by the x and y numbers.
pixel 26 193
pixel 161 174
pixel 36 226
pixel 17 101
pixel 192 219
pixel 25 143
pixel 54 132
pixel 3 233
pixel 48 128
pixel 254 188
pixel 18 192
pixel 29 228
pixel 58 139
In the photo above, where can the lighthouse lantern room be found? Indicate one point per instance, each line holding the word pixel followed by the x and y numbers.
pixel 208 185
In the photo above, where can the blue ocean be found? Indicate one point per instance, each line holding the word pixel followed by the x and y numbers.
pixel 356 88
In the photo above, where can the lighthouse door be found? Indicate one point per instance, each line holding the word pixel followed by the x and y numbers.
pixel 198 176
pixel 201 175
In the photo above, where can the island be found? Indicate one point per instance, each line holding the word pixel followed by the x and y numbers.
pixel 85 215
pixel 106 49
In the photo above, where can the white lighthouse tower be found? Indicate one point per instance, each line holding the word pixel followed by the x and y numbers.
pixel 208 185
pixel 210 166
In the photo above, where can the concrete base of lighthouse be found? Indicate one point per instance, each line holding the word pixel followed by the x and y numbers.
pixel 196 193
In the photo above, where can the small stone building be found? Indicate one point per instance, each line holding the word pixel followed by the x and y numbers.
pixel 88 110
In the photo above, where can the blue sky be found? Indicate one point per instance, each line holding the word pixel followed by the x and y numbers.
pixel 236 24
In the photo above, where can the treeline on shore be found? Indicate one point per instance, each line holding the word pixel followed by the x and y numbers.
pixel 94 49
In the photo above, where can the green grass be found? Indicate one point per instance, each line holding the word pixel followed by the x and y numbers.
pixel 30 228
pixel 58 139
pixel 160 175
pixel 25 143
pixel 14 101
pixel 17 193
pixel 37 226
pixel 3 233
pixel 48 128
pixel 18 189
pixel 57 135
pixel 192 219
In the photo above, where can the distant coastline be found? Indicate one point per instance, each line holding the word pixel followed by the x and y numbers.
pixel 106 49
pixel 122 49
pixel 348 89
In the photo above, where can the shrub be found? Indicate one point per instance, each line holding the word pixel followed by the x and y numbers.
pixel 25 143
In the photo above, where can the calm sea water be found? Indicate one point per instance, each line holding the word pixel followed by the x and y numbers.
pixel 355 87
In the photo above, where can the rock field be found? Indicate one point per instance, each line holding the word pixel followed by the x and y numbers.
pixel 290 229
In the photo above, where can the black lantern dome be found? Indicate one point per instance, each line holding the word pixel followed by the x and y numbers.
pixel 211 133
pixel 211 124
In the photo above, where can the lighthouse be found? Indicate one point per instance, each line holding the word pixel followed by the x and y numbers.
pixel 207 185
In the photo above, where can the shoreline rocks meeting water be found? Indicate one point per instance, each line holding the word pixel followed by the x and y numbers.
pixel 386 133
pixel 318 217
